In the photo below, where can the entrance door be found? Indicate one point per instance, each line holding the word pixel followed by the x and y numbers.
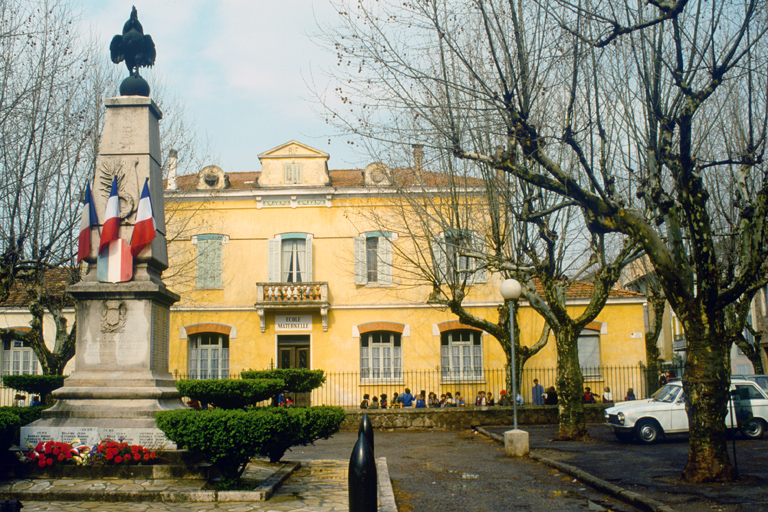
pixel 293 352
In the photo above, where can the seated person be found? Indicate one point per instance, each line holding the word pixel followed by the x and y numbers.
pixel 551 397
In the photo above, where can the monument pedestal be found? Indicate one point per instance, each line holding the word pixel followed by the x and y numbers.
pixel 121 376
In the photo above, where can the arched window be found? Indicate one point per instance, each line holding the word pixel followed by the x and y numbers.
pixel 589 353
pixel 19 358
pixel 208 356
pixel 461 355
pixel 381 355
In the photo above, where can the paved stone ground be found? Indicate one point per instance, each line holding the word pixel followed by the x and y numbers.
pixel 431 471
pixel 317 486
pixel 654 470
pixel 438 471
pixel 447 471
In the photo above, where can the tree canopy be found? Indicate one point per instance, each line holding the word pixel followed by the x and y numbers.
pixel 648 117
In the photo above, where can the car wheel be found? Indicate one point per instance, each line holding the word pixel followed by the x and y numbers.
pixel 753 429
pixel 624 437
pixel 648 431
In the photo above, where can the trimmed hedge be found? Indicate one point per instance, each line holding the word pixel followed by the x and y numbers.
pixel 297 380
pixel 41 385
pixel 26 414
pixel 230 394
pixel 229 439
pixel 9 428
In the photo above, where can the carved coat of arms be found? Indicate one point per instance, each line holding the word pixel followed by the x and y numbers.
pixel 113 314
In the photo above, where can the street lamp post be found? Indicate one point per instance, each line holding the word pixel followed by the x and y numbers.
pixel 511 289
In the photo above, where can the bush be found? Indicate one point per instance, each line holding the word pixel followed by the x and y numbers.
pixel 297 380
pixel 9 430
pixel 41 385
pixel 228 393
pixel 229 439
pixel 26 415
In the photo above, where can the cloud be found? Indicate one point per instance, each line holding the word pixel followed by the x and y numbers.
pixel 239 65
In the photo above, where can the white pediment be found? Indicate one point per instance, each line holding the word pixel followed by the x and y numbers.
pixel 293 149
pixel 294 164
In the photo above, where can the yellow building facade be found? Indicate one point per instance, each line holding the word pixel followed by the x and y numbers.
pixel 286 268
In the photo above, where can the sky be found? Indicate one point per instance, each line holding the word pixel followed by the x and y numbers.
pixel 244 69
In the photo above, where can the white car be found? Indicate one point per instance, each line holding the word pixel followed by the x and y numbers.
pixel 664 413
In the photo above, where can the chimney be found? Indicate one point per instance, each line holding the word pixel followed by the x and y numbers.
pixel 172 159
pixel 418 156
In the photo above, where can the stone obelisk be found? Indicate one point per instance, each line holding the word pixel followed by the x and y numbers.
pixel 121 378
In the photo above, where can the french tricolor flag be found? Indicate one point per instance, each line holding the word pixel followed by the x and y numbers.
pixel 114 264
pixel 111 228
pixel 88 219
pixel 144 229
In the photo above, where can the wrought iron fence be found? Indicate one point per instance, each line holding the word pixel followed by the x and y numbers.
pixel 7 397
pixel 346 389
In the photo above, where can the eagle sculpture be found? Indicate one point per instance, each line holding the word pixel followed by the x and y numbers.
pixel 137 49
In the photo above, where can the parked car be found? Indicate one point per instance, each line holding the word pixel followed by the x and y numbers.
pixel 760 380
pixel 664 413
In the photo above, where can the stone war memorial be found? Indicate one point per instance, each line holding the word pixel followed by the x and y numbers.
pixel 121 378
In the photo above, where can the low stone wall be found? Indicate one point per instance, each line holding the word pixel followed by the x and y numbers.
pixel 460 418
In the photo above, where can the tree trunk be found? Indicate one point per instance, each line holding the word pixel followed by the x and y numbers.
pixel 652 354
pixel 706 383
pixel 572 424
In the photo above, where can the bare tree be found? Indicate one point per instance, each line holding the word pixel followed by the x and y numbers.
pixel 451 217
pixel 637 95
pixel 47 127
pixel 466 219
pixel 52 90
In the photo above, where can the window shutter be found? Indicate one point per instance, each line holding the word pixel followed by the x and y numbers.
pixel 439 255
pixel 203 264
pixel 385 260
pixel 589 352
pixel 216 267
pixel 361 269
pixel 209 261
pixel 273 260
pixel 308 263
pixel 292 173
pixel 478 244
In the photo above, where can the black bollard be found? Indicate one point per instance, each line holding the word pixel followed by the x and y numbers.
pixel 366 428
pixel 363 488
pixel 10 506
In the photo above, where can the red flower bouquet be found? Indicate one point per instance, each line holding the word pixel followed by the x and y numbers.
pixel 117 453
pixel 54 452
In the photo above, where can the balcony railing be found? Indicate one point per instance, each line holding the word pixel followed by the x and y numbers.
pixel 292 296
pixel 679 344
